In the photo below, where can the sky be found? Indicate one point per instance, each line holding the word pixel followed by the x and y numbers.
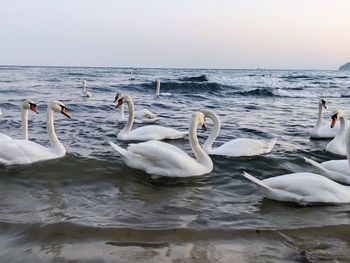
pixel 274 34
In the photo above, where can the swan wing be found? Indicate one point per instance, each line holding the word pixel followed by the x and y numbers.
pixel 337 170
pixel 163 159
pixel 144 114
pixel 147 120
pixel 23 152
pixel 153 132
pixel 4 137
pixel 244 147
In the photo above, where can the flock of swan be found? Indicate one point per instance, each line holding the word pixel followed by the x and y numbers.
pixel 158 158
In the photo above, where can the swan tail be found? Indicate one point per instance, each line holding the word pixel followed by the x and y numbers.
pixel 265 189
pixel 122 152
pixel 271 144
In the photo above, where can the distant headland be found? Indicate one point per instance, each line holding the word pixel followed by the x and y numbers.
pixel 345 66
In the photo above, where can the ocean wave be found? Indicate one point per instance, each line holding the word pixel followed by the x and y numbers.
pixel 201 78
pixel 183 86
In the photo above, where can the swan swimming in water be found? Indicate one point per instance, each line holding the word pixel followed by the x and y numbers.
pixel 141 116
pixel 338 144
pixel 145 133
pixel 323 131
pixel 26 105
pixel 26 152
pixel 85 93
pixel 302 188
pixel 163 159
pixel 338 170
pixel 236 147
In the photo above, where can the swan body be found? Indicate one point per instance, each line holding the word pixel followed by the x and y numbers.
pixel 323 131
pixel 236 147
pixel 158 90
pixel 163 159
pixel 26 105
pixel 85 93
pixel 140 116
pixel 302 188
pixel 338 144
pixel 25 152
pixel 145 133
pixel 338 170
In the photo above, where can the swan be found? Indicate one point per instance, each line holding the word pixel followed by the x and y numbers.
pixel 26 152
pixel 323 131
pixel 302 188
pixel 85 93
pixel 163 159
pixel 236 147
pixel 338 144
pixel 140 116
pixel 146 133
pixel 158 90
pixel 337 170
pixel 25 107
pixel 0 112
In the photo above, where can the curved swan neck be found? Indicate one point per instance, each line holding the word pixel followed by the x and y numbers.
pixel 320 115
pixel 130 103
pixel 55 143
pixel 214 134
pixel 24 113
pixel 199 153
pixel 343 126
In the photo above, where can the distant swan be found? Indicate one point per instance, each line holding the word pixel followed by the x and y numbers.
pixel 25 152
pixel 145 133
pixel 25 107
pixel 236 147
pixel 0 112
pixel 338 170
pixel 323 131
pixel 158 90
pixel 163 159
pixel 85 93
pixel 338 144
pixel 141 116
pixel 302 188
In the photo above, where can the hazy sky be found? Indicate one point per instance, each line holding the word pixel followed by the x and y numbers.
pixel 297 34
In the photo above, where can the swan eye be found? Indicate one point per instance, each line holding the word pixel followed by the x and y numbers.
pixel 335 116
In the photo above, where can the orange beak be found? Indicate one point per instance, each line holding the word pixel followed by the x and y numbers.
pixel 334 120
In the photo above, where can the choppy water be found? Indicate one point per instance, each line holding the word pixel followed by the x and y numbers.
pixel 89 207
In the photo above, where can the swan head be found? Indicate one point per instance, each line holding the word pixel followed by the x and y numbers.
pixel 323 103
pixel 200 119
pixel 337 114
pixel 58 106
pixel 120 98
pixel 30 105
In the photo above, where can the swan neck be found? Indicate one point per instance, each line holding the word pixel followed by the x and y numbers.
pixel 55 143
pixel 343 126
pixel 130 122
pixel 320 115
pixel 201 156
pixel 214 134
pixel 158 88
pixel 121 113
pixel 24 123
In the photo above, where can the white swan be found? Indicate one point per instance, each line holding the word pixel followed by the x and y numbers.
pixel 236 147
pixel 323 131
pixel 25 152
pixel 146 133
pixel 302 188
pixel 158 90
pixel 163 159
pixel 85 93
pixel 338 170
pixel 140 116
pixel 0 112
pixel 338 144
pixel 26 105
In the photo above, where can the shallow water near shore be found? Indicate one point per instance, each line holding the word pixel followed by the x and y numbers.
pixel 90 207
